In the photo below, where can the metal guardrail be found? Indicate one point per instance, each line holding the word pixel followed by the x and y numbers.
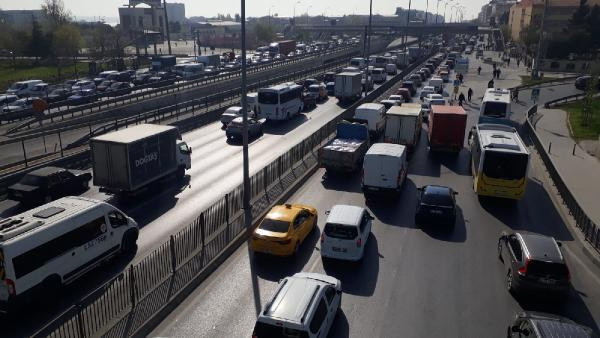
pixel 589 228
pixel 122 306
pixel 162 90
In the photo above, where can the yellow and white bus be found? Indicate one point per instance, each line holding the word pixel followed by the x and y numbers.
pixel 499 161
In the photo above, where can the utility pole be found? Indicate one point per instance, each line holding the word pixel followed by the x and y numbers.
pixel 167 24
pixel 437 11
pixel 535 68
pixel 370 28
pixel 407 23
pixel 246 169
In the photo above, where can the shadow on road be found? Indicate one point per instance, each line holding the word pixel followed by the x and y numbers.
pixel 346 182
pixel 426 163
pixel 274 268
pixel 340 327
pixel 448 233
pixel 535 212
pixel 396 210
pixel 284 127
pixel 358 278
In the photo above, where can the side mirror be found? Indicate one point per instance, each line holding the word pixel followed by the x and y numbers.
pixel 559 244
pixel 455 193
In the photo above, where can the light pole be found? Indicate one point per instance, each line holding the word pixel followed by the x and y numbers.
pixel 437 11
pixel 246 166
pixel 535 68
pixel 295 3
pixel 370 31
pixel 426 12
pixel 307 15
pixel 407 23
pixel 270 14
pixel 445 7
pixel 325 10
pixel 452 12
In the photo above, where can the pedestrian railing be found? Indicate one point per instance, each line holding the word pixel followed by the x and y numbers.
pixel 588 227
pixel 128 303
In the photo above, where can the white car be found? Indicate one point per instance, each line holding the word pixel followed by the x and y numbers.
pixel 304 305
pixel 346 233
pixel 434 100
pixel 231 113
pixel 426 91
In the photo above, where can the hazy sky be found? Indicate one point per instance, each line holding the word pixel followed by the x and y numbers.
pixel 108 8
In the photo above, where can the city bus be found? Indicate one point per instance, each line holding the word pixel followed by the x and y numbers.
pixel 499 161
pixel 280 102
pixel 495 106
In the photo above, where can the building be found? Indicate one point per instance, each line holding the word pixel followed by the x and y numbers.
pixel 176 12
pixel 144 21
pixel 492 12
pixel 218 33
pixel 20 19
pixel 418 15
pixel 528 12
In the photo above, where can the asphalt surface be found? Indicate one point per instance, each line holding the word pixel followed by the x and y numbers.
pixel 413 282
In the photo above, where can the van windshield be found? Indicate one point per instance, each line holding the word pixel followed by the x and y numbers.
pixel 340 231
pixel 494 109
pixel 355 63
pixel 264 330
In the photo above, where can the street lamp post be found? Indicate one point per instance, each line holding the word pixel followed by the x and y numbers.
pixel 535 68
pixel 370 30
pixel 270 14
pixel 246 165
pixel 295 3
pixel 427 12
pixel 307 15
pixel 407 23
pixel 437 11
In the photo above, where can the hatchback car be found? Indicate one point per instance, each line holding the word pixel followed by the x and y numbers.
pixel 304 305
pixel 417 80
pixel 533 263
pixel 545 325
pixel 436 205
pixel 346 233
pixel 284 229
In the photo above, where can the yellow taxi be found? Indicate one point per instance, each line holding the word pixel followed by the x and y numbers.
pixel 283 229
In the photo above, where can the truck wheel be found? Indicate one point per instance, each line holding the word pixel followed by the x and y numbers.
pixel 180 172
pixel 128 244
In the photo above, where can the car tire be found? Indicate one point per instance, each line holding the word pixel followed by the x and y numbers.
pixel 180 172
pixel 128 244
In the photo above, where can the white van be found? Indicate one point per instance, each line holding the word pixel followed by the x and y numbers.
pixel 56 243
pixel 22 88
pixel 374 114
pixel 359 63
pixel 379 75
pixel 437 83
pixel 346 233
pixel 384 168
pixel 391 69
pixel 304 305
pixel 192 70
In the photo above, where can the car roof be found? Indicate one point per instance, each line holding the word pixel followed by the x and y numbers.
pixel 550 325
pixel 386 149
pixel 540 247
pixel 285 212
pixel 294 297
pixel 345 214
pixel 45 171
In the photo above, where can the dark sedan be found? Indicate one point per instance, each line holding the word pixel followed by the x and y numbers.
pixel 119 88
pixel 142 79
pixel 234 128
pixel 58 95
pixel 47 184
pixel 436 205
pixel 162 79
pixel 82 97
pixel 105 85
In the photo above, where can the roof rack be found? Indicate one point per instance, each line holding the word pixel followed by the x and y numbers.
pixel 12 227
pixel 309 302
pixel 268 305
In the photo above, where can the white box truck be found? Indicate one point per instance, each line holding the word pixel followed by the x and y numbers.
pixel 348 86
pixel 130 159
pixel 403 125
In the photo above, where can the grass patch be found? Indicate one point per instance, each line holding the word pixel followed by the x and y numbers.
pixel 49 74
pixel 527 81
pixel 580 132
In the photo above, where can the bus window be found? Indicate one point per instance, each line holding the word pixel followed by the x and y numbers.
pixel 268 98
pixel 505 166
pixel 494 109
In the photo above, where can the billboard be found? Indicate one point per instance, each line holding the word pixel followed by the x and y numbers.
pixel 151 3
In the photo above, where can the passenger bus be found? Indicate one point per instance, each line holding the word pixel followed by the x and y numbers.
pixel 499 161
pixel 280 102
pixel 495 107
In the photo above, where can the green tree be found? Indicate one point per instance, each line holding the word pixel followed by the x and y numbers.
pixel 38 44
pixel 102 38
pixel 66 42
pixel 587 105
pixel 264 33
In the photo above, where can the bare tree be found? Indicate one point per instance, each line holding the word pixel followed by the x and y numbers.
pixel 56 13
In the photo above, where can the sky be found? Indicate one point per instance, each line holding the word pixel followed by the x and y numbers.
pixel 108 8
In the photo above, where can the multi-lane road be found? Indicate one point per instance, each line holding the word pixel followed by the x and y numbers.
pixel 413 282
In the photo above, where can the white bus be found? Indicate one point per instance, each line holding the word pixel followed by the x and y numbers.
pixel 280 102
pixel 495 107
pixel 46 247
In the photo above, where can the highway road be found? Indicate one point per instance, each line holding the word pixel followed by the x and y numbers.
pixel 413 282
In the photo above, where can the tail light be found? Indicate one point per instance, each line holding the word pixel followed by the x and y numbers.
pixel 359 243
pixel 523 269
pixel 322 237
pixel 10 285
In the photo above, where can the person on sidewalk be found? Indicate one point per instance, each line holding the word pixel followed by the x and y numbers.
pixel 461 99
pixel 479 70
pixel 491 83
pixel 508 62
pixel 470 94
pixel 460 78
pixel 518 62
pixel 498 74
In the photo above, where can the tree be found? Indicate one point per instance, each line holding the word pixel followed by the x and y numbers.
pixel 587 106
pixel 264 33
pixel 38 44
pixel 66 42
pixel 102 38
pixel 55 12
pixel 529 37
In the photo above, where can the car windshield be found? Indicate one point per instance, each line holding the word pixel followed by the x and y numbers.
pixel 495 109
pixel 274 225
pixel 340 231
pixel 268 98
pixel 58 92
pixel 313 89
pixel 438 199
pixel 32 180
pixel 18 86
pixel 264 330
pixel 507 166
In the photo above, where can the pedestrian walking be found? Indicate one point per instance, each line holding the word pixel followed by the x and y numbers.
pixel 491 83
pixel 460 78
pixel 518 62
pixel 461 99
pixel 516 95
pixel 470 94
pixel 479 70
pixel 498 74
pixel 494 66
pixel 508 61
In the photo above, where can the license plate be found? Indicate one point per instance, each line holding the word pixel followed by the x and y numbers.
pixel 437 212
pixel 336 249
pixel 547 281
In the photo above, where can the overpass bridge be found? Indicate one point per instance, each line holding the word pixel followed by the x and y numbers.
pixel 391 29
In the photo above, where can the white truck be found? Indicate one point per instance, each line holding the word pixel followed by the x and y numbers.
pixel 403 125
pixel 348 86
pixel 127 160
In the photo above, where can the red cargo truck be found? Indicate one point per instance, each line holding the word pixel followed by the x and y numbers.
pixel 447 125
